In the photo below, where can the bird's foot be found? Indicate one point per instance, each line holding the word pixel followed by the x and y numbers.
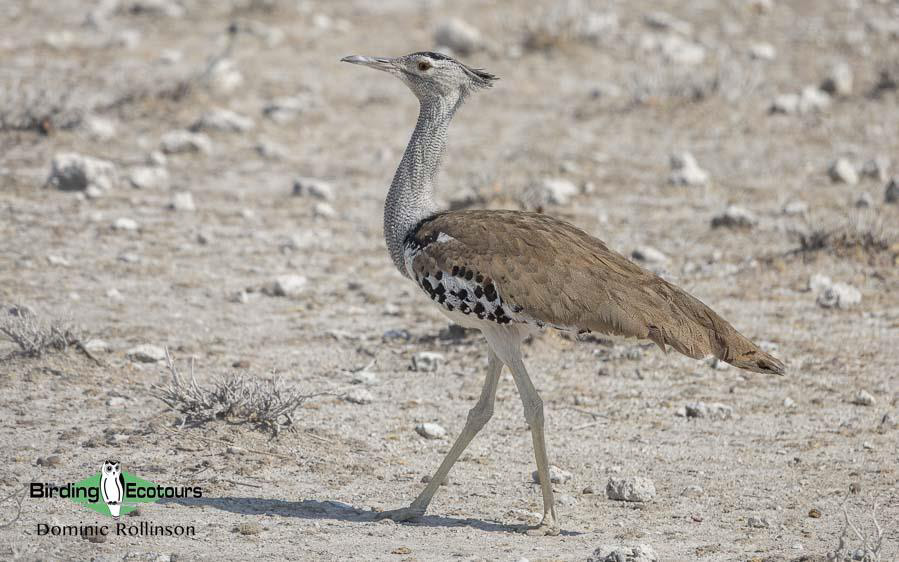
pixel 549 527
pixel 402 514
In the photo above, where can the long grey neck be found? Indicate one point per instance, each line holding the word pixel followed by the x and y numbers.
pixel 411 195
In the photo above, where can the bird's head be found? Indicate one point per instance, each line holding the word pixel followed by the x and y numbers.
pixel 430 76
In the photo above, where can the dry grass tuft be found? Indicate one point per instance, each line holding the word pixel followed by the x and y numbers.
pixel 264 403
pixel 859 236
pixel 36 336
pixel 859 543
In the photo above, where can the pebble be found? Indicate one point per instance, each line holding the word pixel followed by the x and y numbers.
pixel 125 224
pixel 819 281
pixel 785 103
pixel 553 191
pixel 96 346
pixel 146 353
pixel 157 158
pixel 181 142
pixel 812 99
pixel 324 210
pixel 74 172
pixel 149 177
pixel 864 200
pixel 430 430
pixel 52 460
pixel 877 168
pixel 427 361
pixel 665 21
pixel 632 489
pixel 842 171
pixel 649 254
pixel 359 396
pixel 734 217
pixel 758 522
pixel 566 500
pixel 99 128
pixel 839 80
pixel 225 77
pixel 182 201
pixel 399 335
pixel 686 171
pixel 795 207
pixel 712 410
pixel 285 109
pixel 681 51
pixel 789 402
pixel 839 295
pixel 58 260
pixel 556 475
pixel 364 377
pixel 289 285
pixel 762 51
pixel 315 188
pixel 223 120
pixel 863 398
pixel 271 150
pixel 614 553
pixel 117 402
pixel 692 491
pixel 891 194
pixel 168 8
pixel 249 528
pixel 460 36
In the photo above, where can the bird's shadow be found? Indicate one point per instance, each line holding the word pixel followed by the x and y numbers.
pixel 328 509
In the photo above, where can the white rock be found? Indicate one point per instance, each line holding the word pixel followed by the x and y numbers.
pixel 842 171
pixel 839 295
pixel 285 109
pixel 180 141
pixel 125 224
pixel 615 553
pixel 864 200
pixel 459 36
pixel 681 51
pixel 430 430
pixel 556 191
pixel 839 80
pixel 596 25
pixel 182 201
pixel 891 194
pixel 168 8
pixel 692 491
pixel 649 255
pixel 223 120
pixel 427 361
pixel 114 294
pixel 359 396
pixel 758 522
pixel 146 353
pixel 224 77
pixel 73 172
pixel 58 260
pixel 157 158
pixel 785 103
pixel 795 207
pixel 762 51
pixel 287 286
pixel 632 489
pixel 324 210
pixel 665 21
pixel 734 217
pixel 818 282
pixel 812 99
pixel 271 150
pixel 311 187
pixel 149 177
pixel 877 168
pixel 863 398
pixel 99 128
pixel 364 377
pixel 96 346
pixel 712 410
pixel 556 475
pixel 686 171
pixel 789 402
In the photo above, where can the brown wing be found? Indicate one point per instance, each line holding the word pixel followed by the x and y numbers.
pixel 557 274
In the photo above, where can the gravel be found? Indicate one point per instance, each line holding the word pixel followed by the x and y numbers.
pixel 146 353
pixel 427 361
pixel 631 489
pixel 614 553
pixel 430 430
pixel 70 171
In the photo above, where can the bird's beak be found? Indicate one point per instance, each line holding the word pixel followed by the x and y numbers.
pixel 379 63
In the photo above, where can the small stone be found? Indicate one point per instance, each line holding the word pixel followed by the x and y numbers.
pixel 649 255
pixel 818 282
pixel 839 295
pixel 665 21
pixel 51 461
pixel 149 177
pixel 566 500
pixel 789 402
pixel 146 353
pixel 891 194
pixel 324 210
pixel 842 171
pixel 785 103
pixel 795 207
pixel 286 286
pixel 73 172
pixel 364 377
pixel 762 51
pixel 588 490
pixel 430 431
pixel 99 128
pixel 758 522
pixel 556 475
pixel 58 261
pixel 125 224
pixel 225 77
pixel 182 142
pixel 271 150
pixel 614 553
pixel 811 99
pixel 633 489
pixel 96 346
pixel 734 217
pixel 887 422
pixel 863 398
pixel 396 335
pixel 315 188
pixel 182 201
pixel 712 410
pixel 223 120
pixel 814 513
pixel 401 550
pixel 286 109
pixel 249 528
pixel 682 51
pixel 427 478
pixel 864 200
pixel 839 80
pixel 427 361
pixel 168 8
pixel 553 191
pixel 877 168
pixel 460 36
pixel 686 171
pixel 359 396
pixel 117 402
pixel 692 491
pixel 157 158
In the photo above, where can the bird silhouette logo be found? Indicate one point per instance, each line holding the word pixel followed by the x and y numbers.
pixel 112 486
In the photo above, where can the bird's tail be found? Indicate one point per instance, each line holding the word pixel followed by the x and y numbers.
pixel 698 331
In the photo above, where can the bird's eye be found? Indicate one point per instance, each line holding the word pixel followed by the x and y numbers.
pixel 424 65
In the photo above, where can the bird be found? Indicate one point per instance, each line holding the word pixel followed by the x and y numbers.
pixel 508 273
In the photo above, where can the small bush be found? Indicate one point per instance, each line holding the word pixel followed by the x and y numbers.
pixel 35 336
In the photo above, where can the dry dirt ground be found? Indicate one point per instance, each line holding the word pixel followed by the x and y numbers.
pixel 602 109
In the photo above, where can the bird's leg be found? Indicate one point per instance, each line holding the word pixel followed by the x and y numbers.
pixel 533 413
pixel 477 418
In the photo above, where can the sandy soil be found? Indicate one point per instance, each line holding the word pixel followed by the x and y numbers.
pixel 794 444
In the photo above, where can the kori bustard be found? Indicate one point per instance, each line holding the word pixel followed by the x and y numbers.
pixel 506 272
